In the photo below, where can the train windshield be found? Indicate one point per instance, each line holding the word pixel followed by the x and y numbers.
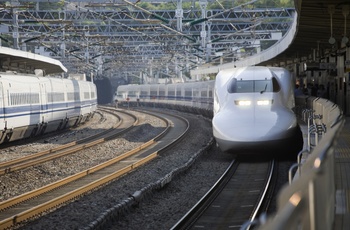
pixel 253 86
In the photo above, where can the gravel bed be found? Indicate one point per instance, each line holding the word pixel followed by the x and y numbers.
pixel 96 124
pixel 160 210
pixel 31 178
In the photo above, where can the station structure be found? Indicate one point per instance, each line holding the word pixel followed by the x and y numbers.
pixel 316 49
pixel 120 39
pixel 125 39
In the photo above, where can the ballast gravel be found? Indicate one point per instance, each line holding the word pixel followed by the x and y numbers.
pixel 31 178
pixel 159 210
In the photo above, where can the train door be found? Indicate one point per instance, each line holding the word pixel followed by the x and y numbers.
pixel 178 92
pixel 2 109
pixel 43 103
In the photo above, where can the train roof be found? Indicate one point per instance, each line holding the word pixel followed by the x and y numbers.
pixel 193 84
pixel 25 62
pixel 246 73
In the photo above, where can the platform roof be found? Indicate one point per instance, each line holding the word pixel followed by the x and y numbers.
pixel 20 61
pixel 309 35
pixel 315 28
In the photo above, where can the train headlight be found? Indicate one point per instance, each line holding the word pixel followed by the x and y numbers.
pixel 264 102
pixel 243 103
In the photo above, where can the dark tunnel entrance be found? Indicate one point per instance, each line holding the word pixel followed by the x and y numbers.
pixel 104 91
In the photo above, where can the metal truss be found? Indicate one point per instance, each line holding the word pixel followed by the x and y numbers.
pixel 89 37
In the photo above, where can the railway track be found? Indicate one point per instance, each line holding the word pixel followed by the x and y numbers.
pixel 126 122
pixel 23 207
pixel 235 198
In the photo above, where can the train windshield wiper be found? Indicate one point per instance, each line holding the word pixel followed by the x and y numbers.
pixel 263 91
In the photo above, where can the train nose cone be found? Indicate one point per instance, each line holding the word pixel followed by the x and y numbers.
pixel 230 125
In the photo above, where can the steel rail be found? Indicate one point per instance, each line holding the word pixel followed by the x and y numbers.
pixel 192 215
pixel 222 195
pixel 69 148
pixel 102 172
pixel 258 206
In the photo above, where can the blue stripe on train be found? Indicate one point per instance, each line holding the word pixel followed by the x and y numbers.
pixel 19 111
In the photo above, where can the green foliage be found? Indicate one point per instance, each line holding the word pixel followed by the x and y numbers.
pixel 212 76
pixel 226 4
pixel 6 40
pixel 167 6
pixel 266 44
pixel 52 5
pixel 187 74
pixel 190 5
pixel 161 6
pixel 187 5
pixel 147 6
pixel 222 4
pixel 274 3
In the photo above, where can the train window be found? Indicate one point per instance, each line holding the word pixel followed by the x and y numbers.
pixel 121 93
pixel 240 86
pixel 276 85
pixel 263 86
pixel 178 93
pixel 86 95
pixel 73 96
pixel 250 86
pixel 196 93
pixel 132 94
pixel 188 93
pixel 24 98
pixel 55 96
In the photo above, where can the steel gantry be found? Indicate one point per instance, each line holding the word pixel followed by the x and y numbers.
pixel 122 37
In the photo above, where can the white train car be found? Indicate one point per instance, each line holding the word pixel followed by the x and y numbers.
pixel 196 94
pixel 88 97
pixel 32 105
pixel 253 109
pixel 252 106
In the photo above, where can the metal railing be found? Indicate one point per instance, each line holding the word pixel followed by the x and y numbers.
pixel 309 201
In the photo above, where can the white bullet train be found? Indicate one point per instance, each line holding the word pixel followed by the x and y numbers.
pixel 193 94
pixel 253 109
pixel 252 106
pixel 31 105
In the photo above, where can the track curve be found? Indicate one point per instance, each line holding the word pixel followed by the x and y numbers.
pixel 54 195
pixel 233 199
pixel 126 122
